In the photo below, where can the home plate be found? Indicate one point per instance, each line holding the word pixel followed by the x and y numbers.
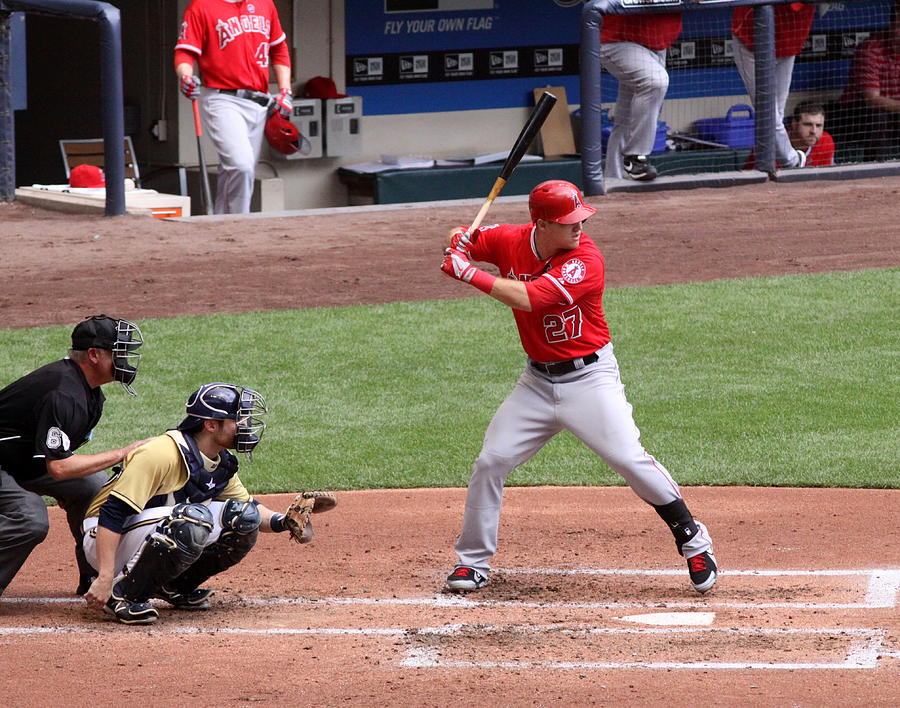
pixel 673 618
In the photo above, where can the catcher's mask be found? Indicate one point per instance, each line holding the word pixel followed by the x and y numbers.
pixel 284 137
pixel 223 401
pixel 120 337
pixel 558 201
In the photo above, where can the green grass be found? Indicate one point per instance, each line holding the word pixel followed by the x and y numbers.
pixel 786 381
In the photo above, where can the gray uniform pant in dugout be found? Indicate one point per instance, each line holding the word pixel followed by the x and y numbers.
pixel 24 521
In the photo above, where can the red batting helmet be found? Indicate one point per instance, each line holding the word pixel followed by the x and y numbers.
pixel 559 201
pixel 282 134
pixel 86 176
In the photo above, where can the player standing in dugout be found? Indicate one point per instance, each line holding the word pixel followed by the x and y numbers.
pixel 233 42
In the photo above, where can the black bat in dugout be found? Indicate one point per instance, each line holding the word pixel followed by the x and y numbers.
pixel 204 176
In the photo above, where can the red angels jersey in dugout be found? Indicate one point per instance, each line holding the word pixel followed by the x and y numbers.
pixel 232 41
pixel 566 291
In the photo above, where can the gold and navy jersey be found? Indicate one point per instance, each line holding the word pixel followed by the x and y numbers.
pixel 169 470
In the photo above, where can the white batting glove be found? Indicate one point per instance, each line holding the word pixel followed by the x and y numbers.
pixel 190 87
pixel 462 240
pixel 284 102
pixel 456 264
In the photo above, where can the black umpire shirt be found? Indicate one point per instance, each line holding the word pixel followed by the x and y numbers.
pixel 46 415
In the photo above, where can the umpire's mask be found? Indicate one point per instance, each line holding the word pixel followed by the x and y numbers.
pixel 125 356
pixel 121 337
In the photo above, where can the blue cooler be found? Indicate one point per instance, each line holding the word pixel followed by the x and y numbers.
pixel 659 144
pixel 733 130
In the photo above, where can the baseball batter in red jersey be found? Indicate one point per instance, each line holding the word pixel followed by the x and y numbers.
pixel 234 42
pixel 552 276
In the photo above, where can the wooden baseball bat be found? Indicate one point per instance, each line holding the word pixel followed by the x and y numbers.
pixel 204 177
pixel 526 136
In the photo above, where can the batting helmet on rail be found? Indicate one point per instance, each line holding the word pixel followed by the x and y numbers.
pixel 559 201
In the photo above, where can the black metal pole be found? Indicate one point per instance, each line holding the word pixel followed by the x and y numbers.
pixel 7 118
pixel 764 100
pixel 591 102
pixel 111 91
pixel 113 109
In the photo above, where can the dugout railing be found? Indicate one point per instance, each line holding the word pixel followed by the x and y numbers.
pixel 111 99
pixel 704 80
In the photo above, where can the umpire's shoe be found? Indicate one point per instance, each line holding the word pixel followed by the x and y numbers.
pixel 703 571
pixel 464 579
pixel 130 612
pixel 196 599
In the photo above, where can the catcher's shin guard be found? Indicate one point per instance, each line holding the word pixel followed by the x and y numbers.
pixel 175 544
pixel 679 521
pixel 240 524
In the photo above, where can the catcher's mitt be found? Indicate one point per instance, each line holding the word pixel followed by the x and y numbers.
pixel 296 518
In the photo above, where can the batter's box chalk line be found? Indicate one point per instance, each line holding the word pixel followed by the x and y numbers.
pixel 882 591
pixel 863 653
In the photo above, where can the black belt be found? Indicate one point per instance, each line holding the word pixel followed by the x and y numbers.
pixel 261 98
pixel 558 368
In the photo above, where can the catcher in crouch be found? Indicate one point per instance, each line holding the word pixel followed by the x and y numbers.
pixel 176 513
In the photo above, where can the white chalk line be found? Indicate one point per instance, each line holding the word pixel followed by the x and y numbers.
pixel 882 592
pixel 863 653
pixel 111 627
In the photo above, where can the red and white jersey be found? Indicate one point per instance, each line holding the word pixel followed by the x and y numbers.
pixel 566 291
pixel 875 67
pixel 655 31
pixel 792 24
pixel 232 41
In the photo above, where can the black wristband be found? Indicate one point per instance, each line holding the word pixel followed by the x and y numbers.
pixel 276 523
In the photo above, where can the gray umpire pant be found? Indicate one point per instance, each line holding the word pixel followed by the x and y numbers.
pixel 24 522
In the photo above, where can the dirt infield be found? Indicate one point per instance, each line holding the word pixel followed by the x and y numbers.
pixel 804 615
pixel 57 266
pixel 590 606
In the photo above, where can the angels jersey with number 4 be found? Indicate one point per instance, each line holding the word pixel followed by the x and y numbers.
pixel 566 291
pixel 232 41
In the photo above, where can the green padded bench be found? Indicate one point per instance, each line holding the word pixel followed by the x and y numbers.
pixel 474 181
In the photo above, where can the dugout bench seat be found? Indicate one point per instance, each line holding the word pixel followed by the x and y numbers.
pixel 475 181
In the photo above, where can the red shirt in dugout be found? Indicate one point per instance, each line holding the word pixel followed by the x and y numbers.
pixel 233 42
pixel 875 67
pixel 792 24
pixel 819 155
pixel 566 291
pixel 655 31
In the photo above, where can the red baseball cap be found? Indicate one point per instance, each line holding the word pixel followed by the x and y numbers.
pixel 321 87
pixel 86 176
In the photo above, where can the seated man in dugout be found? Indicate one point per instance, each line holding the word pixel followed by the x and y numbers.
pixel 870 104
pixel 806 131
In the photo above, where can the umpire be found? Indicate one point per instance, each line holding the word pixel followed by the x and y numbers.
pixel 44 417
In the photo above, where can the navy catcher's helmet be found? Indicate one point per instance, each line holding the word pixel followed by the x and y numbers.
pixel 121 337
pixel 224 401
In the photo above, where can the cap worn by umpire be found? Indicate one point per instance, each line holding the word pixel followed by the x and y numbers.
pixel 98 332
